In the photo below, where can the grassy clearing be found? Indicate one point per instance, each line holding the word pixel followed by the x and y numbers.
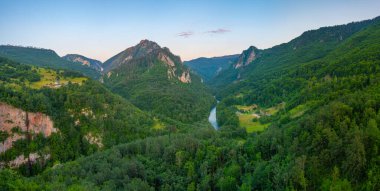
pixel 245 121
pixel 158 124
pixel 251 112
pixel 246 108
pixel 298 111
pixel 273 110
pixel 49 78
pixel 301 109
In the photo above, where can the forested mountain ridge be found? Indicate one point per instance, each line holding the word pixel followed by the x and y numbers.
pixel 156 80
pixel 142 49
pixel 44 58
pixel 329 124
pixel 310 45
pixel 318 105
pixel 95 64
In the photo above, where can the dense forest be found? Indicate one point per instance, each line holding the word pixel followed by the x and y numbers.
pixel 208 68
pixel 154 85
pixel 44 58
pixel 317 99
pixel 76 109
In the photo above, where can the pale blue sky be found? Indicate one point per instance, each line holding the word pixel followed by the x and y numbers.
pixel 100 29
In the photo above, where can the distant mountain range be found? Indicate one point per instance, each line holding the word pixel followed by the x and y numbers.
pixel 303 115
pixel 44 58
pixel 255 65
pixel 146 74
pixel 208 68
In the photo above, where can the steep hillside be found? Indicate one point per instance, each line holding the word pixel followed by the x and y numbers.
pixel 326 137
pixel 329 115
pixel 318 116
pixel 61 120
pixel 94 64
pixel 309 46
pixel 44 58
pixel 208 68
pixel 155 80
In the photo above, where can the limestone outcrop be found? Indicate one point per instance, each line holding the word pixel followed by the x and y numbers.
pixel 17 123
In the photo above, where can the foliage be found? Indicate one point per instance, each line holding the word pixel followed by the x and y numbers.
pixel 44 58
pixel 208 68
pixel 326 138
pixel 145 83
pixel 77 111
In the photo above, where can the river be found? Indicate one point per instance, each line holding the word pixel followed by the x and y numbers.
pixel 212 118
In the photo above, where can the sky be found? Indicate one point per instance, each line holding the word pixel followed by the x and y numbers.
pixel 100 29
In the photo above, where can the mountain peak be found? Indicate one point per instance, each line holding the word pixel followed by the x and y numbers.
pixel 148 44
pixel 142 49
pixel 246 57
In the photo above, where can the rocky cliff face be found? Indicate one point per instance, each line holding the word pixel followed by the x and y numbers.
pixel 20 160
pixel 185 77
pixel 246 57
pixel 17 123
pixel 95 64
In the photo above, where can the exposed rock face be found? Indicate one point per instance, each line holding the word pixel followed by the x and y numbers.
pixel 95 64
pixel 246 57
pixel 185 77
pixel 87 112
pixel 164 58
pixel 81 60
pixel 14 118
pixel 128 58
pixel 171 72
pixel 109 74
pixel 94 139
pixel 20 160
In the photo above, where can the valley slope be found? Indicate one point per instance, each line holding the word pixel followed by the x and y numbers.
pixel 316 100
pixel 208 68
pixel 156 80
pixel 61 115
pixel 44 58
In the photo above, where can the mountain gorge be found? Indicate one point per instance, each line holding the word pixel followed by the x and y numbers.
pixel 208 68
pixel 302 115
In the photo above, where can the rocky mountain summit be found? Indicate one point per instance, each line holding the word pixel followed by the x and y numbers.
pixel 142 49
pixel 147 53
pixel 156 80
pixel 246 57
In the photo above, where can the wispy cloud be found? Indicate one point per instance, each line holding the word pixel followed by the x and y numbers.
pixel 218 31
pixel 186 34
